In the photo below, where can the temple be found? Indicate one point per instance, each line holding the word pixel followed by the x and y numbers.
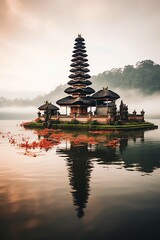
pixel 79 91
pixel 84 104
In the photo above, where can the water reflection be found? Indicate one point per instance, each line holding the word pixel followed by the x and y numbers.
pixel 138 154
pixel 128 150
pixel 79 172
pixel 132 154
pixel 103 183
pixel 143 158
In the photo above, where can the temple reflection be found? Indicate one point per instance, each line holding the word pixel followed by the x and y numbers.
pixel 80 159
pixel 142 157
pixel 79 172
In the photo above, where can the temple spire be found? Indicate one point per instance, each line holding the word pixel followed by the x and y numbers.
pixel 79 99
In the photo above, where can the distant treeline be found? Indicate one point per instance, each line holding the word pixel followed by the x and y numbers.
pixel 145 76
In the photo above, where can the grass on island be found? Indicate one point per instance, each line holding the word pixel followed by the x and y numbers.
pixel 91 126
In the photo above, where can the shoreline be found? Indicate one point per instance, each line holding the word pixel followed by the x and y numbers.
pixel 69 126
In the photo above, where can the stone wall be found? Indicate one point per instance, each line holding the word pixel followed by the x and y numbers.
pixel 101 110
pixel 100 119
pixel 83 119
pixel 136 118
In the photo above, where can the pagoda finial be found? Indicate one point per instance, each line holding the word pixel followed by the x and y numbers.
pixel 79 36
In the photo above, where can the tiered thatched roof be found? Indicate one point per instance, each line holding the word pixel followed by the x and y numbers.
pixel 79 76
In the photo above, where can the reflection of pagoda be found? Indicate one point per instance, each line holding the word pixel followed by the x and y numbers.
pixel 79 162
pixel 78 99
pixel 79 168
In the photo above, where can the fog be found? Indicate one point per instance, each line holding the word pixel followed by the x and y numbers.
pixel 133 98
pixel 138 101
pixel 17 112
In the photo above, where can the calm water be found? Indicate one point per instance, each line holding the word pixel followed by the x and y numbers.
pixel 80 191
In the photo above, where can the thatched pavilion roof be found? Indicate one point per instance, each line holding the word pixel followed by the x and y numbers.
pixel 48 105
pixel 105 93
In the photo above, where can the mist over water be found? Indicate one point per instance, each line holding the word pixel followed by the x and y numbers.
pixel 138 101
pixel 133 98
pixel 17 112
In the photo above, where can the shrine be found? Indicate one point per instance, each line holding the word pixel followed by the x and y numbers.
pixel 79 91
pixel 82 99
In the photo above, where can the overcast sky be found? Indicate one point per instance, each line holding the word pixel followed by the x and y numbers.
pixel 37 37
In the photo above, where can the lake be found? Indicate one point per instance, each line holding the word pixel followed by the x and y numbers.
pixel 79 185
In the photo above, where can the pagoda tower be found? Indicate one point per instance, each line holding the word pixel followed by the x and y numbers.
pixel 79 90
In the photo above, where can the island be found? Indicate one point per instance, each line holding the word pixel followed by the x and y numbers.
pixel 84 108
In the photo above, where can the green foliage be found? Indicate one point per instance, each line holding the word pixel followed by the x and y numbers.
pixel 74 121
pixel 94 122
pixel 71 126
pixel 39 121
pixel 33 125
pixel 145 76
pixel 55 121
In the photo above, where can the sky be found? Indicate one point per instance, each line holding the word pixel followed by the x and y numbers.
pixel 37 38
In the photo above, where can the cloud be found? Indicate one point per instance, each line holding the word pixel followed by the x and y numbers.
pixel 36 38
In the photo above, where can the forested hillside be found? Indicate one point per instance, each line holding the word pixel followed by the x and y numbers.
pixel 145 76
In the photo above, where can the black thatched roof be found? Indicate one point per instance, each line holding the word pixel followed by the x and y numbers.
pixel 79 82
pixel 79 47
pixel 79 54
pixel 79 44
pixel 80 75
pixel 71 101
pixel 105 93
pixel 87 90
pixel 80 63
pixel 66 101
pixel 79 59
pixel 79 50
pixel 80 69
pixel 49 106
pixel 87 101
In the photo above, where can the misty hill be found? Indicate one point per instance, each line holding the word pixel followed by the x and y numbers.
pixel 145 77
pixel 39 100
